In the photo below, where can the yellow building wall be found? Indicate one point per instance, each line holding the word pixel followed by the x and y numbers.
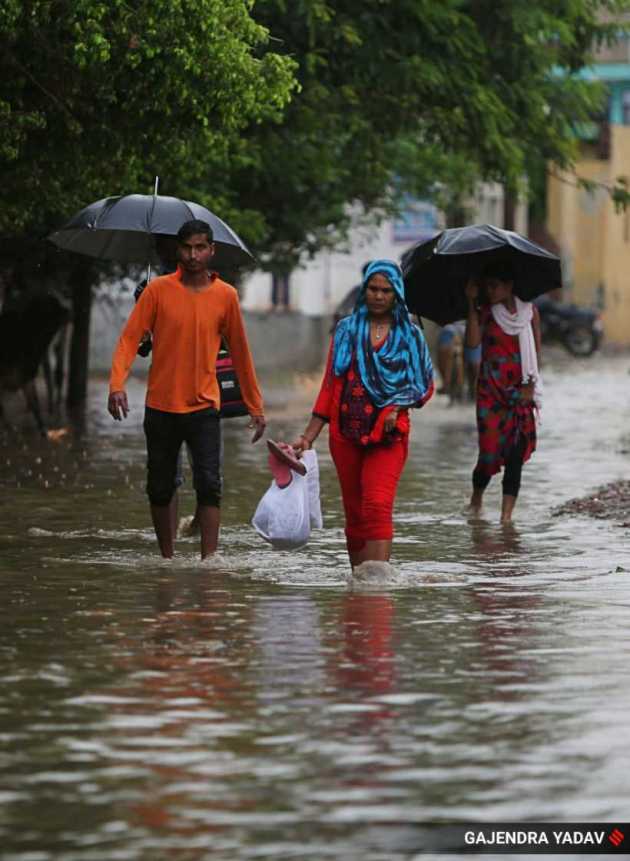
pixel 616 265
pixel 594 239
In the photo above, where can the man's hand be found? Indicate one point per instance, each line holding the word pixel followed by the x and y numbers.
pixel 259 423
pixel 118 406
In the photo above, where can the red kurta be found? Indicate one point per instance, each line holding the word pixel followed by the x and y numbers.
pixel 503 418
pixel 328 403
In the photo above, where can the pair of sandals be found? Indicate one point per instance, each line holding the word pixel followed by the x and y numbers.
pixel 282 461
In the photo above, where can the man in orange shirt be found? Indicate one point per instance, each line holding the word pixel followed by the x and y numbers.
pixel 187 312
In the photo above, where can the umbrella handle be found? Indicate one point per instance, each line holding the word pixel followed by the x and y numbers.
pixel 155 191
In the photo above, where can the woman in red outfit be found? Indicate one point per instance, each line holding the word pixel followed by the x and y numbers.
pixel 378 366
pixel 509 390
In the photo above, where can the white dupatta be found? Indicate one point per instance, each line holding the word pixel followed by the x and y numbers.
pixel 520 324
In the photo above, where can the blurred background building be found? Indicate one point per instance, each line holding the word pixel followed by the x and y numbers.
pixel 318 286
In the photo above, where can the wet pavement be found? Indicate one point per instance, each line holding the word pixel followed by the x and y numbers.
pixel 263 705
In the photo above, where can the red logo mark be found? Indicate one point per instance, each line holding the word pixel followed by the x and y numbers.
pixel 616 837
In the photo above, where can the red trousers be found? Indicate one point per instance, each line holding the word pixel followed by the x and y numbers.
pixel 368 476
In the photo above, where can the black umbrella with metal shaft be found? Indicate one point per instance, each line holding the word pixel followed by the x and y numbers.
pixel 436 272
pixel 125 229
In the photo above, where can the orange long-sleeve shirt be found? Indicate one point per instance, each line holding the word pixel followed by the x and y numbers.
pixel 187 328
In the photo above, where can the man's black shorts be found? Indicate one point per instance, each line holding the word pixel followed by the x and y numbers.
pixel 165 433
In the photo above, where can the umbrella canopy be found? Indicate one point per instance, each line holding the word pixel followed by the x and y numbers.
pixel 125 229
pixel 436 271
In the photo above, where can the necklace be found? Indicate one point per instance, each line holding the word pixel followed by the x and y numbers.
pixel 380 329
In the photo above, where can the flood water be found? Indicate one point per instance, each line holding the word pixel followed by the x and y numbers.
pixel 263 706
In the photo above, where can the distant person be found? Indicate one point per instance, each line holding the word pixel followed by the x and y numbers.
pixel 188 312
pixel 378 367
pixel 281 291
pixel 509 389
pixel 458 365
pixel 450 360
pixel 472 364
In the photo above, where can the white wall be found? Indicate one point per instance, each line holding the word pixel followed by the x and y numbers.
pixel 322 282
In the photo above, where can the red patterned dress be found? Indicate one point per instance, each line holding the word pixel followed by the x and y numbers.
pixel 504 420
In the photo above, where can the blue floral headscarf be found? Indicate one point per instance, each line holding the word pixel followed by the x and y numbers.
pixel 400 373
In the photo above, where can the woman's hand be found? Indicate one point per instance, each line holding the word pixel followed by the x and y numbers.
pixel 471 290
pixel 301 444
pixel 311 432
pixel 527 391
pixel 390 421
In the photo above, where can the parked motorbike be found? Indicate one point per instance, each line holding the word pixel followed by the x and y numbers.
pixel 580 330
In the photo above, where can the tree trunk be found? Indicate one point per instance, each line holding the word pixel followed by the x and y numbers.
pixel 456 214
pixel 509 209
pixel 81 285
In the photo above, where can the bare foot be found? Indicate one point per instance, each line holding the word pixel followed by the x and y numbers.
pixel 188 527
pixel 57 434
pixel 475 504
pixel 507 507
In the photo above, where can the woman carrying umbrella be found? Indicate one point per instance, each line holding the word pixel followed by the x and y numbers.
pixel 378 366
pixel 509 388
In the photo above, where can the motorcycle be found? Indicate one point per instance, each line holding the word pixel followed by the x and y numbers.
pixel 580 330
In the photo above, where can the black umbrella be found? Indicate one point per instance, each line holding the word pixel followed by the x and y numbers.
pixel 125 229
pixel 436 271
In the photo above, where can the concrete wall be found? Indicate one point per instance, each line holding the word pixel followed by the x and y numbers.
pixel 594 238
pixel 111 306
pixel 287 342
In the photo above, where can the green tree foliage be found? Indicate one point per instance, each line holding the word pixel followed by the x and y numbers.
pixel 433 93
pixel 98 97
pixel 279 114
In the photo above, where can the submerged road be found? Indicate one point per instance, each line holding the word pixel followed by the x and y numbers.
pixel 263 706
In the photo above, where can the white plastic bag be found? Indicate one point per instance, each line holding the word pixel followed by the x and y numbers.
pixel 285 515
pixel 312 480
